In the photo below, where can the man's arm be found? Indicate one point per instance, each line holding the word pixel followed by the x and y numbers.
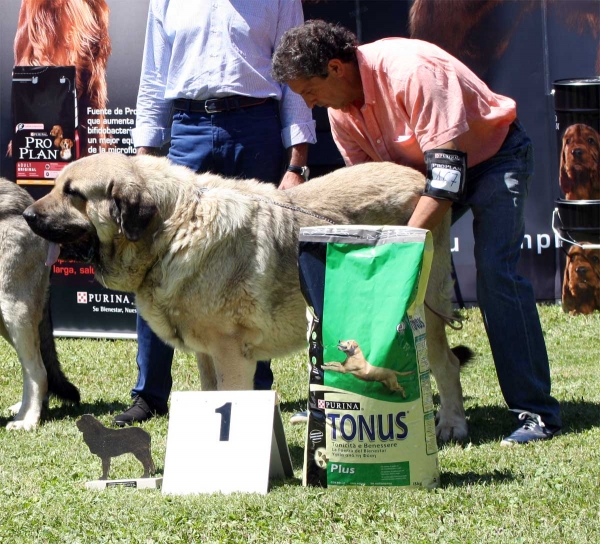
pixel 153 114
pixel 298 155
pixel 430 211
pixel 297 125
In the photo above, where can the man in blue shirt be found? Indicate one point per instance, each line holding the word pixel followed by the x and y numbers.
pixel 206 88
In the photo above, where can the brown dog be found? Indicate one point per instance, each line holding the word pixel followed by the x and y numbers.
pixel 108 443
pixel 68 33
pixel 65 149
pixel 579 168
pixel 57 134
pixel 581 283
pixel 358 366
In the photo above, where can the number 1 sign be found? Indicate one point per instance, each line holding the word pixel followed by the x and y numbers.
pixel 224 441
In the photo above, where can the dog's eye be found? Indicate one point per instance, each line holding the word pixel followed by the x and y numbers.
pixel 568 140
pixel 71 192
pixel 591 141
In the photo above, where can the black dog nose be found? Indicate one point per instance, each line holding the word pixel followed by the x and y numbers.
pixel 577 152
pixel 29 215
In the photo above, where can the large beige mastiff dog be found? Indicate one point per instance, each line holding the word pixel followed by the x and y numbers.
pixel 25 320
pixel 213 261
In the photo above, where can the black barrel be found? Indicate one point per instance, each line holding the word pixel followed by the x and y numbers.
pixel 577 109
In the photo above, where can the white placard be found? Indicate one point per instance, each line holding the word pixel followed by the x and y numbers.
pixel 224 441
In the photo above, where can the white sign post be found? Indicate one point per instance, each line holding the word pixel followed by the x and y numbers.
pixel 224 441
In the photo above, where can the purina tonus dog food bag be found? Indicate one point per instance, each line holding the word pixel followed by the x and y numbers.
pixel 371 419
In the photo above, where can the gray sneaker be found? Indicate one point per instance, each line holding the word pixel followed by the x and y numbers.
pixel 532 429
pixel 299 417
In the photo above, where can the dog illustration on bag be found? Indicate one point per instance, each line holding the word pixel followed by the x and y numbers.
pixel 65 149
pixel 358 366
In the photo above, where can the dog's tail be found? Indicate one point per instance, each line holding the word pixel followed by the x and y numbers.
pixel 58 384
pixel 463 353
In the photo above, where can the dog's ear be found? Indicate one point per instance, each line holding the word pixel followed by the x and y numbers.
pixel 564 180
pixel 132 208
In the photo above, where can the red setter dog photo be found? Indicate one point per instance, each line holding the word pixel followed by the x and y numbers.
pixel 581 283
pixel 579 161
pixel 68 33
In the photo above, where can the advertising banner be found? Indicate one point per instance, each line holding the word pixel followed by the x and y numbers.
pixel 72 94
pixel 518 48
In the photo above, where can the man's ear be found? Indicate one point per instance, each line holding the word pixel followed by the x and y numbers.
pixel 336 67
pixel 132 208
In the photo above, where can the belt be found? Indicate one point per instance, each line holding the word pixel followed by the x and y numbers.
pixel 217 105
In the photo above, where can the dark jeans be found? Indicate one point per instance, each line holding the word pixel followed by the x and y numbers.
pixel 496 194
pixel 244 143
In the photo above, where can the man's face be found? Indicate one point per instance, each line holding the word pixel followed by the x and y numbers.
pixel 329 92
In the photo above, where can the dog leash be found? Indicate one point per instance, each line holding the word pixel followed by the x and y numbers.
pixel 282 205
pixel 455 323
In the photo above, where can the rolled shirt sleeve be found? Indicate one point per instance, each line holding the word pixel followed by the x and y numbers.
pixel 153 112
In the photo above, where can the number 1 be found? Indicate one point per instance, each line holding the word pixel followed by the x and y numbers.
pixel 225 412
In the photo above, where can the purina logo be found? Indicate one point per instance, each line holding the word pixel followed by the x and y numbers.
pixel 102 298
pixel 337 405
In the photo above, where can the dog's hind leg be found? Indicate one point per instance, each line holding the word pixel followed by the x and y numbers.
pixel 145 457
pixel 58 384
pixel 445 366
pixel 206 367
pixel 22 330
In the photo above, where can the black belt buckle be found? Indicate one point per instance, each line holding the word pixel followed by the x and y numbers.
pixel 210 105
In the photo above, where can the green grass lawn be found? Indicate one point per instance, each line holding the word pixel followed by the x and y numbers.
pixel 540 493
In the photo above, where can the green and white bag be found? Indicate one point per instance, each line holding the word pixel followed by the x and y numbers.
pixel 371 419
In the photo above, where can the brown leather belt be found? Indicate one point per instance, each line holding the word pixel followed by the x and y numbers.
pixel 217 105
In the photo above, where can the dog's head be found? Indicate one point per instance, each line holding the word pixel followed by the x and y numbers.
pixel 56 131
pixel 579 173
pixel 66 143
pixel 98 203
pixel 87 421
pixel 581 282
pixel 349 347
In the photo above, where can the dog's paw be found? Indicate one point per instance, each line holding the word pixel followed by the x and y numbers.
pixel 21 425
pixel 14 409
pixel 451 428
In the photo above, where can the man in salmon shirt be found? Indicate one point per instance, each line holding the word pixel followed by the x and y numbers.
pixel 409 102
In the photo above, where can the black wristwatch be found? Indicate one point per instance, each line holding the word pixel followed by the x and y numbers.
pixel 300 170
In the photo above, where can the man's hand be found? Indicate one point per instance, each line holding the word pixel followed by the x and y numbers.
pixel 429 212
pixel 290 180
pixel 146 151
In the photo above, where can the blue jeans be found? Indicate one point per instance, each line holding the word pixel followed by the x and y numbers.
pixel 243 143
pixel 496 193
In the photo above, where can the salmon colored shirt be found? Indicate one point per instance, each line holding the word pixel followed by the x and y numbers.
pixel 418 97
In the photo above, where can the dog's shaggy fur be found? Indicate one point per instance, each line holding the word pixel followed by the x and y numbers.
pixel 580 163
pixel 25 311
pixel 213 261
pixel 108 443
pixel 581 282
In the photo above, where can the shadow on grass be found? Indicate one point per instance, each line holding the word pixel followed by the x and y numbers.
pixel 297 455
pixel 493 423
pixel 293 407
pixel 448 479
pixel 96 408
pixel 66 410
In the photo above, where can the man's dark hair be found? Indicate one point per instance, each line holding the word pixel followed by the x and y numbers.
pixel 305 51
